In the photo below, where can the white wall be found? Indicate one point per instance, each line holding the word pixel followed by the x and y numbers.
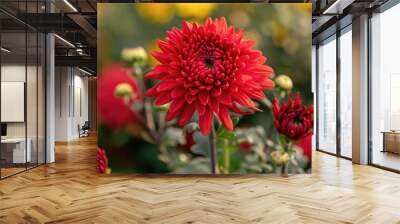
pixel 15 73
pixel 12 73
pixel 61 103
pixel 33 127
pixel 71 102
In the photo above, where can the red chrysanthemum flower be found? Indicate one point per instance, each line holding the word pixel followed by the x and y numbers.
pixel 292 119
pixel 305 144
pixel 114 110
pixel 102 161
pixel 208 69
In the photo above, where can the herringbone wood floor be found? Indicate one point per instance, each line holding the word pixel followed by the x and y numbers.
pixel 70 191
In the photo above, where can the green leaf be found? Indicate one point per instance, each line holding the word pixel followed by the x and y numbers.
pixel 160 109
pixel 282 140
pixel 266 102
pixel 223 133
pixel 173 137
pixel 230 136
pixel 235 121
pixel 191 127
pixel 201 146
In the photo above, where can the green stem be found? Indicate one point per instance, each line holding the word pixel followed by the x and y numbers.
pixel 213 150
pixel 285 167
pixel 227 157
pixel 149 118
pixel 284 171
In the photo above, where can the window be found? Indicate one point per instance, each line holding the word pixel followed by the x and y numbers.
pixel 346 92
pixel 327 95
pixel 22 101
pixel 385 89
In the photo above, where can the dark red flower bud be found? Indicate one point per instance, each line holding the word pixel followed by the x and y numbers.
pixel 245 147
pixel 189 141
pixel 102 161
pixel 292 119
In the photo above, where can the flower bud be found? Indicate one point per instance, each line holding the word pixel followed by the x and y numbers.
pixel 285 158
pixel 123 90
pixel 134 56
pixel 284 82
pixel 280 158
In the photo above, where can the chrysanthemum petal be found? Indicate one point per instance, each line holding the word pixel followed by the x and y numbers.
pixel 200 107
pixel 152 91
pixel 244 100
pixel 267 83
pixel 186 115
pixel 171 114
pixel 189 98
pixel 154 74
pixel 166 85
pixel 161 57
pixel 205 122
pixel 162 99
pixel 204 97
pixel 177 104
pixel 164 46
pixel 214 104
pixel 225 99
pixel 225 118
pixel 256 94
pixel 178 92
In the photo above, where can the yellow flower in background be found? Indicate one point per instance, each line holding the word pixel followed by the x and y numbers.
pixel 195 10
pixel 284 82
pixel 280 34
pixel 156 12
pixel 153 46
pixel 282 37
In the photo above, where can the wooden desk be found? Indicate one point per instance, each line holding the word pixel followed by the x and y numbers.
pixel 13 150
pixel 391 141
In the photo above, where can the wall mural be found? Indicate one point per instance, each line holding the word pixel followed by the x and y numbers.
pixel 186 88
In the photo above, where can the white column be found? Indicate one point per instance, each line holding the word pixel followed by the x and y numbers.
pixel 360 90
pixel 314 91
pixel 50 99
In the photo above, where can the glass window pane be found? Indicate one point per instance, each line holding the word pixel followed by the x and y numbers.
pixel 14 153
pixel 31 97
pixel 385 84
pixel 327 96
pixel 346 94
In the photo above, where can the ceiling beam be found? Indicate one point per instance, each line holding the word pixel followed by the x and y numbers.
pixel 78 61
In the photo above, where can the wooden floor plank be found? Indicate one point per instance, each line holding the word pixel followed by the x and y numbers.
pixel 70 191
